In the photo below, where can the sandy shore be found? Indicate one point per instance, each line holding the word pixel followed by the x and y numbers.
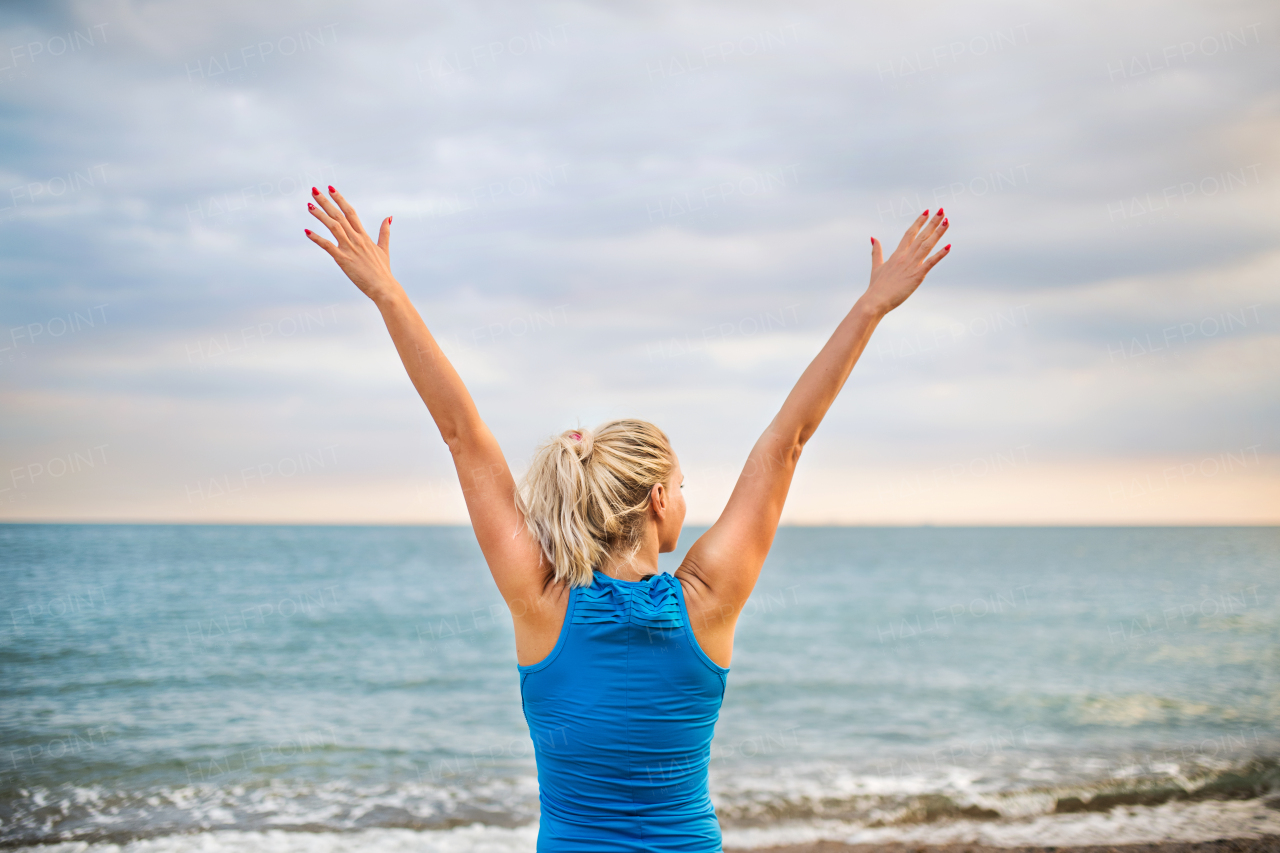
pixel 1265 844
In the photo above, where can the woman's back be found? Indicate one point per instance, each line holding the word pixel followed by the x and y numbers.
pixel 621 713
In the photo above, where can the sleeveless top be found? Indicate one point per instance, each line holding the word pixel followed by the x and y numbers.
pixel 621 713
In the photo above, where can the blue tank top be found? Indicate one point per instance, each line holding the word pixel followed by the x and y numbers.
pixel 621 713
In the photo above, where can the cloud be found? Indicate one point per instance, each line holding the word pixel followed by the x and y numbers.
pixel 647 209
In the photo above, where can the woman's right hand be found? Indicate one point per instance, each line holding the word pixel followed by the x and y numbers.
pixel 366 263
pixel 893 280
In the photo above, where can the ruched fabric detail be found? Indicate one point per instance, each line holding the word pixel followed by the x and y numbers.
pixel 652 604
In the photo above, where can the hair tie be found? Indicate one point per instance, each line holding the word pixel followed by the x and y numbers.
pixel 576 436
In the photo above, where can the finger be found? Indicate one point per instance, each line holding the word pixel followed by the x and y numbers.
pixel 912 230
pixel 345 230
pixel 321 242
pixel 347 209
pixel 934 258
pixel 930 226
pixel 926 246
pixel 877 254
pixel 384 236
pixel 335 228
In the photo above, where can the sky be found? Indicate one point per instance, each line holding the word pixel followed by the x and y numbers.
pixel 656 210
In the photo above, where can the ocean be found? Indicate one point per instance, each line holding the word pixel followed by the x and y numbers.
pixel 298 688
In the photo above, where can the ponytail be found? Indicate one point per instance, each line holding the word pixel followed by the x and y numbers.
pixel 586 494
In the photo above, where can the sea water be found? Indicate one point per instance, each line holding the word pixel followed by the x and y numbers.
pixel 300 688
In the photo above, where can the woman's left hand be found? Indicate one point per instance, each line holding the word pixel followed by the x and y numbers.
pixel 896 278
pixel 366 263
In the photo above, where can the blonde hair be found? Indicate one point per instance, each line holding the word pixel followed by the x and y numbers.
pixel 586 495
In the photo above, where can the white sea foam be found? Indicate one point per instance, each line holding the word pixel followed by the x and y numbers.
pixel 1138 824
pixel 476 838
pixel 1174 821
pixel 792 804
pixel 829 791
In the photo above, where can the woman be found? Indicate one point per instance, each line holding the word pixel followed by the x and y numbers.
pixel 622 668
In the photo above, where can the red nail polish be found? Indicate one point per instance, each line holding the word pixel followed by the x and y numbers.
pixel 945 221
pixel 873 241
pixel 388 220
pixel 315 191
pixel 926 213
pixel 331 189
pixel 308 230
pixel 939 211
pixel 310 206
pixel 946 248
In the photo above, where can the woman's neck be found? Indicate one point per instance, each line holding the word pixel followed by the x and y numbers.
pixel 643 562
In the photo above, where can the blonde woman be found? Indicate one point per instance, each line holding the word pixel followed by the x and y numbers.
pixel 622 668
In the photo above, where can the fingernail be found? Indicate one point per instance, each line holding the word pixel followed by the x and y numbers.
pixel 939 211
pixel 945 221
pixel 946 248
pixel 310 206
pixel 926 213
pixel 388 220
pixel 873 241
pixel 331 189
pixel 315 191
pixel 308 230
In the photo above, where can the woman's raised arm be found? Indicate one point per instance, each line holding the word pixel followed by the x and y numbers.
pixel 509 548
pixel 725 562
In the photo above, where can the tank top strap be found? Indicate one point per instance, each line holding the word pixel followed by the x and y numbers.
pixel 651 603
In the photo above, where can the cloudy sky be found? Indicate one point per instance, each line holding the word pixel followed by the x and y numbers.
pixel 658 210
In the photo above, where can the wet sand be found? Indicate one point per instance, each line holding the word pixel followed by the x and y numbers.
pixel 1265 844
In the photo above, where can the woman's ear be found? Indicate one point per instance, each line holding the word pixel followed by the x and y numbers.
pixel 658 498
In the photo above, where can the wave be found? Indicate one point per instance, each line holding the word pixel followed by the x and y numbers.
pixel 874 802
pixel 94 814
pixel 476 838
pixel 1171 822
pixel 764 807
